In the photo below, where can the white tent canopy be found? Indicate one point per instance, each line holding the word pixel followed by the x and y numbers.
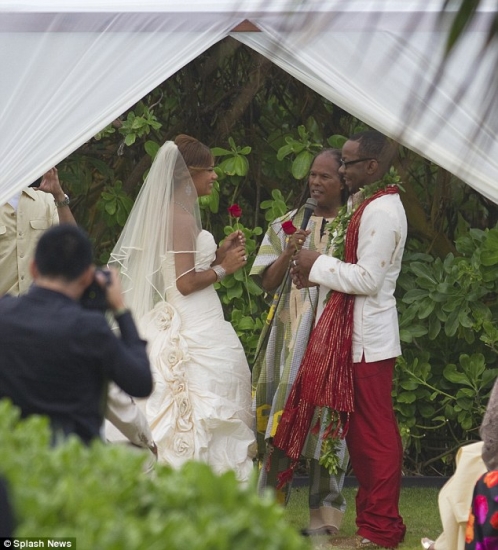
pixel 69 68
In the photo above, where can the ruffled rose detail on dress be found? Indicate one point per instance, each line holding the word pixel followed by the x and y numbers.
pixel 169 409
pixel 173 357
pixel 184 417
pixel 163 318
pixel 183 445
pixel 178 386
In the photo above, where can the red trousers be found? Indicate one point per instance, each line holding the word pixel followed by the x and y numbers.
pixel 376 454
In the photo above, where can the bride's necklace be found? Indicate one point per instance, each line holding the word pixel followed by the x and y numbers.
pixel 181 205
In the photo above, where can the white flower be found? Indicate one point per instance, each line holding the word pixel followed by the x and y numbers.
pixel 179 385
pixel 183 403
pixel 182 445
pixel 163 319
pixel 172 356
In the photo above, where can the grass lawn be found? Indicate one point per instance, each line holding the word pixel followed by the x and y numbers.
pixel 418 506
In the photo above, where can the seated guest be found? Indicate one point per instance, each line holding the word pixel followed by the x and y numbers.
pixel 57 356
pixel 482 527
pixel 455 497
pixel 474 487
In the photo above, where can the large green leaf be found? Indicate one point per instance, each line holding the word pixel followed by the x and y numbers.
pixel 241 165
pixel 414 295
pixel 453 375
pixel 424 271
pixel 489 252
pixel 336 141
pixel 302 164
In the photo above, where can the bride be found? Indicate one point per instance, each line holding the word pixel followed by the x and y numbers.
pixel 200 408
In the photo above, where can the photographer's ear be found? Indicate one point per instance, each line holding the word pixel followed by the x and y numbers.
pixel 87 276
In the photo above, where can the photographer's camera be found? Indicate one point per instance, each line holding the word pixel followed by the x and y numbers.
pixel 95 295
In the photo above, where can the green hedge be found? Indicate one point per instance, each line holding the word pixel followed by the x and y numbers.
pixel 101 495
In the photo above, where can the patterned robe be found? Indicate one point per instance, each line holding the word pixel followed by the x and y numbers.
pixel 283 348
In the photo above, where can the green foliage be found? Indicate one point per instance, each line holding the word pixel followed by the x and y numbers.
pixel 115 205
pixel 242 297
pixel 151 148
pixel 276 207
pixel 232 171
pixel 449 358
pixel 105 133
pixel 138 125
pixel 236 164
pixel 337 141
pixel 304 151
pixel 101 495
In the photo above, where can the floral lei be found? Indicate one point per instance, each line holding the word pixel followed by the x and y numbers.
pixel 337 229
pixel 338 226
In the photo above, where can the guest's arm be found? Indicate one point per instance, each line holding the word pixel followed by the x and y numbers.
pixel 50 184
pixel 126 416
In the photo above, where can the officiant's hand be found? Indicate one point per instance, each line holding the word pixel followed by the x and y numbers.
pixel 296 241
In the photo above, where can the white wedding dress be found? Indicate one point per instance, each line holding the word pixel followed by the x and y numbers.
pixel 200 408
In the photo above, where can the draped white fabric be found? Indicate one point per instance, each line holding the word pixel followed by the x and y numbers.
pixel 383 71
pixel 67 69
pixel 65 76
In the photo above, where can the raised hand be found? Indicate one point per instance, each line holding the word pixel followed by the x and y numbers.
pixel 235 258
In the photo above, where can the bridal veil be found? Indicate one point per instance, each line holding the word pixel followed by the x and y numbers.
pixel 164 220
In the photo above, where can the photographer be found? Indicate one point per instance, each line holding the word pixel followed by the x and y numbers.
pixel 57 357
pixel 22 221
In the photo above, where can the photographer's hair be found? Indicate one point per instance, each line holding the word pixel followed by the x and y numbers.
pixel 63 251
pixel 196 155
pixel 376 145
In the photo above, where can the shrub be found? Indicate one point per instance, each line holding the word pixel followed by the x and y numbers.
pixel 101 495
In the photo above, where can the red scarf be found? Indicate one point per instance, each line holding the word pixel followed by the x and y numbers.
pixel 325 377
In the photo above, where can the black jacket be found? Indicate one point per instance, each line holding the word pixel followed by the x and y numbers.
pixel 56 358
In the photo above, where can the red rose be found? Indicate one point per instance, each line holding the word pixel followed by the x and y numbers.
pixel 235 211
pixel 288 227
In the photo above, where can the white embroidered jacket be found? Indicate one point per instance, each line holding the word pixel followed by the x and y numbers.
pixel 381 242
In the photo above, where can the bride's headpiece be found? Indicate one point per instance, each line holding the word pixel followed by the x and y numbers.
pixel 165 207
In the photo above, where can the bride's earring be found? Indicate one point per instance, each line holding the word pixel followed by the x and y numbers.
pixel 188 190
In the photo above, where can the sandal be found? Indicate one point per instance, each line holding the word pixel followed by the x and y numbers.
pixel 324 530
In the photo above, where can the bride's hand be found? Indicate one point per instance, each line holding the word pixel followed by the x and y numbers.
pixel 234 240
pixel 235 258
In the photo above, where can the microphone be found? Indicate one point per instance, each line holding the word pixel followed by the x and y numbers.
pixel 309 207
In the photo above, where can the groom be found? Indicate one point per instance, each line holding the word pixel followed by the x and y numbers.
pixel 380 229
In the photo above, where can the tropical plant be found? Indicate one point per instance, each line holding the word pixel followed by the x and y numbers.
pixel 101 496
pixel 449 360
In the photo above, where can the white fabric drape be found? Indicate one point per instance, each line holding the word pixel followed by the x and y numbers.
pixel 382 71
pixel 64 77
pixel 67 69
